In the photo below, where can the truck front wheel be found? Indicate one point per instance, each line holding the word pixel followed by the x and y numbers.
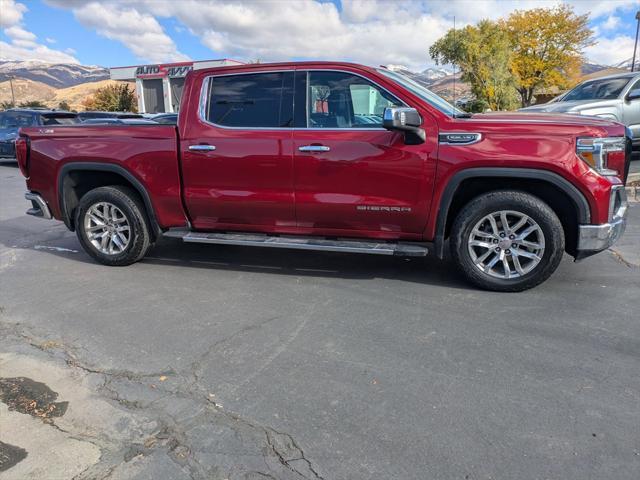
pixel 507 241
pixel 111 225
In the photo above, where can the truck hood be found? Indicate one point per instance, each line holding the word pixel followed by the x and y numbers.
pixel 571 106
pixel 535 118
pixel 516 123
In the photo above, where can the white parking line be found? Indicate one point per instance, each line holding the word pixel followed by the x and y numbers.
pixel 55 249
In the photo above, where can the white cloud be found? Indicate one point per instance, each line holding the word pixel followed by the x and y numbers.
pixel 611 51
pixel 381 33
pixel 611 23
pixel 11 13
pixel 21 37
pixel 50 40
pixel 139 31
pixel 367 31
pixel 23 43
pixel 40 53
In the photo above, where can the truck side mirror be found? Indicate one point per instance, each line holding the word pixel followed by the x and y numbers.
pixel 633 94
pixel 406 120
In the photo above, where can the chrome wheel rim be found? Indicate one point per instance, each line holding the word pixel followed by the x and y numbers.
pixel 107 228
pixel 506 244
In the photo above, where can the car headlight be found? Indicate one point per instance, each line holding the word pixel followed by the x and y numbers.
pixel 600 153
pixel 608 116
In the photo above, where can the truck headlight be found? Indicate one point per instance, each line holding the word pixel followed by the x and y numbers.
pixel 600 153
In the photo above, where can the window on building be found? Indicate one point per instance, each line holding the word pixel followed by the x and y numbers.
pixel 263 100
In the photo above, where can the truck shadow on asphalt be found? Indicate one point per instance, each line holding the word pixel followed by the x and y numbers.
pixel 168 252
pixel 424 270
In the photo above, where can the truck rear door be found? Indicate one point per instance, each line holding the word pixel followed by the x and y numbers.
pixel 237 153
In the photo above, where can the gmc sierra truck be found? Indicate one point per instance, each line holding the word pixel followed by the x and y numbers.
pixel 338 157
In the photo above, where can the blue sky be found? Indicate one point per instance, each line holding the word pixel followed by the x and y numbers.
pixel 128 32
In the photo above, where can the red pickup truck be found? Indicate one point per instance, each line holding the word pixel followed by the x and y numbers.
pixel 338 157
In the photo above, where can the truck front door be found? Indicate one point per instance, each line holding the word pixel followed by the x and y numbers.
pixel 237 155
pixel 351 174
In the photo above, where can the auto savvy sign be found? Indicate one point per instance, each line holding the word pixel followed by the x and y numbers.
pixel 164 70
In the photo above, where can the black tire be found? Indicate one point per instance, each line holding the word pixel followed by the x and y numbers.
pixel 533 207
pixel 129 203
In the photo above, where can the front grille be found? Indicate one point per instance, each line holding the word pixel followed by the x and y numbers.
pixel 627 159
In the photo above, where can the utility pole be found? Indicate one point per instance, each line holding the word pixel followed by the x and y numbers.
pixel 13 96
pixel 635 45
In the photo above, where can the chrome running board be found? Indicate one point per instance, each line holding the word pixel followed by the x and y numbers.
pixel 302 243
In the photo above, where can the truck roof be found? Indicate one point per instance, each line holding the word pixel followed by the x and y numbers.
pixel 258 66
pixel 41 111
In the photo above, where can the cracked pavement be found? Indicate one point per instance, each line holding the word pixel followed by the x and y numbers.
pixel 225 362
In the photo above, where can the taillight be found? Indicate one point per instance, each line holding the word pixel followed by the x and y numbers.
pixel 22 155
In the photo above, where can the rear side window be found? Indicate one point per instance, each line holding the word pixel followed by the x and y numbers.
pixel 59 120
pixel 257 100
pixel 16 120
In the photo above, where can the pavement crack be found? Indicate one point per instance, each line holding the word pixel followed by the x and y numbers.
pixel 621 259
pixel 196 365
pixel 173 436
pixel 277 440
pixel 72 360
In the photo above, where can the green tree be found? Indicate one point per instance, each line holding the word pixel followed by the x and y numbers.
pixel 63 105
pixel 113 98
pixel 483 54
pixel 32 104
pixel 547 46
pixel 6 105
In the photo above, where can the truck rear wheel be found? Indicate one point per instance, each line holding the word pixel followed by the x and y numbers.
pixel 112 227
pixel 507 241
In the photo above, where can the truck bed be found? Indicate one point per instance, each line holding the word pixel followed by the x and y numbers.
pixel 147 152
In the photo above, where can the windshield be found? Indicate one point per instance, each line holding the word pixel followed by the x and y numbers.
pixel 605 89
pixel 422 92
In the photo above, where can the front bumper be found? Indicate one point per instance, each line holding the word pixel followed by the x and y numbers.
pixel 595 238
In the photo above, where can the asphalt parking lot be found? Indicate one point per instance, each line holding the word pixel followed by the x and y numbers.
pixel 226 362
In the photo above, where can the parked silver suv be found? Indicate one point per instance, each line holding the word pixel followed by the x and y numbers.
pixel 616 97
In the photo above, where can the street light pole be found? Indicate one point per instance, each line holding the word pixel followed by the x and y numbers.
pixel 635 45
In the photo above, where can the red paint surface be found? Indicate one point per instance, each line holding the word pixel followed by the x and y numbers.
pixel 257 180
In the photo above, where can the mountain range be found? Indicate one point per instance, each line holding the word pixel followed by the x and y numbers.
pixel 56 75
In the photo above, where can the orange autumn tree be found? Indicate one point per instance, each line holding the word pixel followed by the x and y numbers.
pixel 547 45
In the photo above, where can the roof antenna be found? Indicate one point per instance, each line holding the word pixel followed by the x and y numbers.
pixel 455 45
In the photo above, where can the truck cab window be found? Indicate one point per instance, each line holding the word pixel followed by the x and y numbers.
pixel 258 100
pixel 16 120
pixel 343 100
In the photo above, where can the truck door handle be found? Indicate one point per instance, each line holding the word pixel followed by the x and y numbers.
pixel 202 148
pixel 314 148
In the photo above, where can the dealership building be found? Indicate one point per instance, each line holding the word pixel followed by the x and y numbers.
pixel 159 87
